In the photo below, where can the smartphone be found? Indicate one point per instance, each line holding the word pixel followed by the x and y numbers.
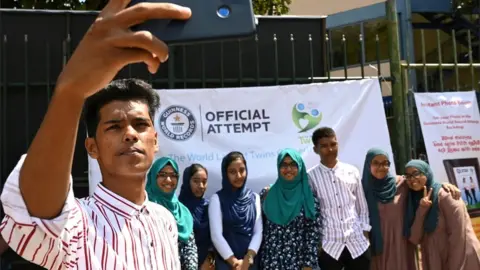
pixel 211 20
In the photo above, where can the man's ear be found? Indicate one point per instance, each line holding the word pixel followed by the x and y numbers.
pixel 91 146
pixel 156 142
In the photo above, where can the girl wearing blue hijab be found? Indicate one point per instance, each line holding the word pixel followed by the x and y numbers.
pixel 162 180
pixel 235 218
pixel 191 195
pixel 439 223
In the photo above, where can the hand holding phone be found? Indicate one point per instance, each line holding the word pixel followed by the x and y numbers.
pixel 211 20
pixel 109 45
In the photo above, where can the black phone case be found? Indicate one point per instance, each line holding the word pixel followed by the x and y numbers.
pixel 206 23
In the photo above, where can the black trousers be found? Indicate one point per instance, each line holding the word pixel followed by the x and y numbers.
pixel 326 262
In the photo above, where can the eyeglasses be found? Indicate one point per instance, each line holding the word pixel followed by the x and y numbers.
pixel 385 164
pixel 413 176
pixel 291 165
pixel 172 176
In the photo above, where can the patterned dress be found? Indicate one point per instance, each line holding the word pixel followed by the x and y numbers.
pixel 188 254
pixel 293 246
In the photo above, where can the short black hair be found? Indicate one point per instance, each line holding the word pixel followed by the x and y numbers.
pixel 118 90
pixel 323 132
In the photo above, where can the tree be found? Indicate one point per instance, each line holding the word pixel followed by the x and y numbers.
pixel 465 6
pixel 271 7
pixel 260 7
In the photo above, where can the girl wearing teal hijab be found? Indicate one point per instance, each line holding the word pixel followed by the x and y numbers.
pixel 292 221
pixel 162 181
pixel 386 198
pixel 439 223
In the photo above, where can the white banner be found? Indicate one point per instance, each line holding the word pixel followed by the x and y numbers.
pixel 450 124
pixel 202 125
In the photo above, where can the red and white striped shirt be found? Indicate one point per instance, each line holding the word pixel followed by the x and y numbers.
pixel 104 231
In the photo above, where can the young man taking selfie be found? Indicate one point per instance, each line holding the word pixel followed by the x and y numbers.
pixel 116 228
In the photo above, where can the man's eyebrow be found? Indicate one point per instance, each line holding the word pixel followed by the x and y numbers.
pixel 112 121
pixel 141 119
pixel 116 121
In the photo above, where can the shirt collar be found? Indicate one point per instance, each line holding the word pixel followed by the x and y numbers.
pixel 325 168
pixel 119 204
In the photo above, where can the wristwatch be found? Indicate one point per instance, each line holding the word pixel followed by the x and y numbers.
pixel 250 259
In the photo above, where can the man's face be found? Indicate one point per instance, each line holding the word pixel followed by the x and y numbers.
pixel 126 141
pixel 327 148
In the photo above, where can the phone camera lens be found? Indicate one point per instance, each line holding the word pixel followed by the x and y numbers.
pixel 223 12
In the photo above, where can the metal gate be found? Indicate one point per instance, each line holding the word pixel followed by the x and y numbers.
pixel 436 77
pixel 35 45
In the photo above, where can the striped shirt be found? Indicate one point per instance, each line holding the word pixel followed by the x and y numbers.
pixel 104 231
pixel 344 209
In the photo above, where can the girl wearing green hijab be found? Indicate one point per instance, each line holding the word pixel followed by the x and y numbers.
pixel 292 220
pixel 386 198
pixel 161 185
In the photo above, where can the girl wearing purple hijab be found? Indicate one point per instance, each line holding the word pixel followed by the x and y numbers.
pixel 235 218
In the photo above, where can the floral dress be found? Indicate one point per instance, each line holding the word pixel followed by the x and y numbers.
pixel 188 254
pixel 293 246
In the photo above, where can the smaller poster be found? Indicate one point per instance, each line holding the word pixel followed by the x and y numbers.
pixel 450 123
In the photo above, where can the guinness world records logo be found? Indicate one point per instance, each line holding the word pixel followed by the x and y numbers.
pixel 177 123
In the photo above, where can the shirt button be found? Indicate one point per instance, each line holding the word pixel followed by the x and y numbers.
pixel 151 244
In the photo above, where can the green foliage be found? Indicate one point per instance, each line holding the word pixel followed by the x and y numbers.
pixel 260 7
pixel 271 7
pixel 465 6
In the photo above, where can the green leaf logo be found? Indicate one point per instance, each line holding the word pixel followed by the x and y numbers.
pixel 313 117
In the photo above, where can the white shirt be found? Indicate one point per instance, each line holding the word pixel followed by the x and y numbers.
pixel 343 207
pixel 104 231
pixel 216 228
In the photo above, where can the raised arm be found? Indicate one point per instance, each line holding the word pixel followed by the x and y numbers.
pixel 44 177
pixel 107 47
pixel 417 229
